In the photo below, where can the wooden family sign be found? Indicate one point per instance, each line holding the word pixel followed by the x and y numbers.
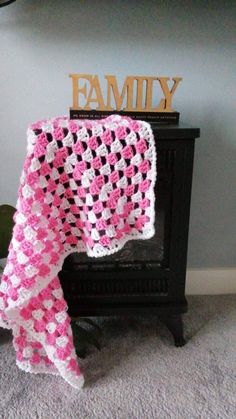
pixel 141 97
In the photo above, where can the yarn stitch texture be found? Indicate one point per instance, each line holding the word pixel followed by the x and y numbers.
pixel 86 186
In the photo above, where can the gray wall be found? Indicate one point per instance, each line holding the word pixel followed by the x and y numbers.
pixel 42 41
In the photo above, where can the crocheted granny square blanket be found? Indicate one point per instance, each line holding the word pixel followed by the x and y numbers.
pixel 86 186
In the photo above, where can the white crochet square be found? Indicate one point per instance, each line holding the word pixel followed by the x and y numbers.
pixel 58 293
pixel 97 130
pixel 68 168
pixel 61 316
pixel 85 181
pixel 4 287
pixel 148 155
pixel 48 304
pixel 89 200
pixel 22 178
pixel 47 258
pixel 111 232
pixel 15 280
pixel 106 213
pixel 2 304
pixel 38 246
pixel 38 314
pixel 131 138
pixel 108 187
pixel 29 233
pixel 121 164
pixel 27 352
pixel 25 295
pixel 20 218
pixel 36 208
pixel 87 155
pixel 122 182
pixel 121 224
pixel 64 123
pixel 98 249
pixel 31 137
pixel 8 269
pixel 103 196
pixel 122 201
pixel 43 183
pixel 116 146
pixel 43 221
pixel 35 165
pixel 75 231
pixel 137 178
pixel 137 212
pixel 119 210
pixel 149 194
pixel 49 197
pixel 137 197
pixel 30 149
pixel 54 174
pixel 82 134
pixel 101 150
pixel 83 217
pixel 15 244
pixel 144 130
pixel 55 213
pixel 51 327
pixel 92 217
pixel 27 191
pixel 62 341
pixel 47 126
pixel 65 204
pixel 68 141
pixel 136 160
pixel 72 159
pixel 78 201
pixel 52 146
pixel 149 175
pixel 49 156
pixel 60 189
pixel 70 218
pixel 110 125
pixel 148 211
pixel 106 169
pixel 22 258
pixel 90 173
pixel 131 218
pixel 95 235
pixel 30 271
pixel 86 232
pixel 63 238
pixel 51 235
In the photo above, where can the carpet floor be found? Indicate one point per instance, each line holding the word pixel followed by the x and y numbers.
pixel 138 374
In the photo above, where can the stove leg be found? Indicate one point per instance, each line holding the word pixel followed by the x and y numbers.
pixel 175 325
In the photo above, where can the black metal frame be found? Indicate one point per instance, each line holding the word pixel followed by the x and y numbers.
pixel 160 288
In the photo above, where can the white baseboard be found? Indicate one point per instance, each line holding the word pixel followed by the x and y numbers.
pixel 211 281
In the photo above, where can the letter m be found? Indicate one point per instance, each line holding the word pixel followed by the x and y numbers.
pixel 119 98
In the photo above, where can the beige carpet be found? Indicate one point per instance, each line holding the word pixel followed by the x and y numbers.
pixel 138 373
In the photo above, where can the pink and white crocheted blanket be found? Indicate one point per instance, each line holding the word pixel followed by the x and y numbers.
pixel 85 186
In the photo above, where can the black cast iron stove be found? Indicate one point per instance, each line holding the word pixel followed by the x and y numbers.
pixel 146 276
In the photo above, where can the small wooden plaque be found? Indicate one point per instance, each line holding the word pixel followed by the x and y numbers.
pixel 141 97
